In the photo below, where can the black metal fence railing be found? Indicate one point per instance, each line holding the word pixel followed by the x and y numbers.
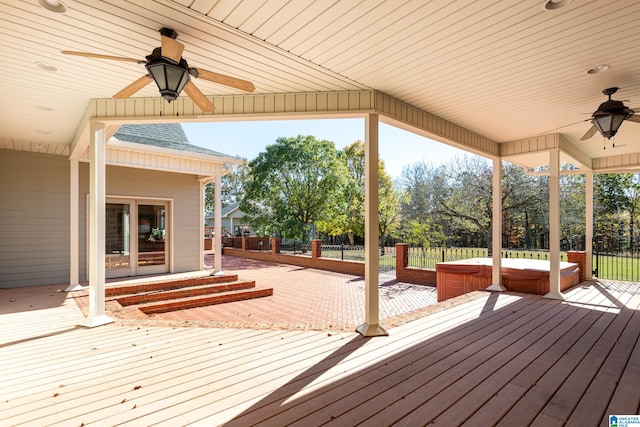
pixel 541 255
pixel 343 252
pixel 426 258
pixel 295 248
pixel 387 255
pixel 617 257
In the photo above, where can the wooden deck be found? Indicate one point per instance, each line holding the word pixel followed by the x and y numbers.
pixel 497 359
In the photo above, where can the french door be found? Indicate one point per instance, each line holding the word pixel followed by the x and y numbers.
pixel 136 237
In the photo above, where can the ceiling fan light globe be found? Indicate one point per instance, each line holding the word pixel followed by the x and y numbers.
pixel 609 123
pixel 169 78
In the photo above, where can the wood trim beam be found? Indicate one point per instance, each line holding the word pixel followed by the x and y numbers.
pixel 293 106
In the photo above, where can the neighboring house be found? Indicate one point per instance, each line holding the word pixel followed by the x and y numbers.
pixel 232 221
pixel 153 214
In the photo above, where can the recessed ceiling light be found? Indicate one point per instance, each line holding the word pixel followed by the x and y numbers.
pixel 44 108
pixel 555 4
pixel 53 5
pixel 598 69
pixel 46 67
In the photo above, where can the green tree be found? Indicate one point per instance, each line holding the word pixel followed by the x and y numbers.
pixel 348 215
pixel 294 183
pixel 421 223
pixel 467 199
pixel 353 202
pixel 232 189
pixel 525 205
pixel 388 208
pixel 616 204
pixel 351 218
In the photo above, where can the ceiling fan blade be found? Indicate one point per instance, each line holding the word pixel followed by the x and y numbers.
pixel 171 48
pixel 198 97
pixel 225 80
pixel 133 87
pixel 563 126
pixel 100 56
pixel 634 118
pixel 592 131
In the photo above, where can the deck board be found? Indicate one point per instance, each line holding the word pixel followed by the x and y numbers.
pixel 533 346
pixel 369 376
pixel 424 376
pixel 602 355
pixel 499 359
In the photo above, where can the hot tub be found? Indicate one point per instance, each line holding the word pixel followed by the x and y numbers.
pixel 455 278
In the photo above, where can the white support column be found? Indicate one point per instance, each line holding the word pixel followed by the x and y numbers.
pixel 201 220
pixel 97 203
pixel 217 225
pixel 554 226
pixel 371 326
pixel 74 232
pixel 496 228
pixel 588 238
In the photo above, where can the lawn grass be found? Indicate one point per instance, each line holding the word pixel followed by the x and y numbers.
pixel 624 268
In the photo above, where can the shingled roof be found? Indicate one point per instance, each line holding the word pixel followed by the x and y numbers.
pixel 165 135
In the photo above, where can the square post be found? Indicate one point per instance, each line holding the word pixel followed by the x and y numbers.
pixel 554 226
pixel 97 206
pixel 371 326
pixel 496 228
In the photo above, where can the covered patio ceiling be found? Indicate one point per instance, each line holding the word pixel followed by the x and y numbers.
pixel 504 70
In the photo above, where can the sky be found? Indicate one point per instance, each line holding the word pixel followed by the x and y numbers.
pixel 247 139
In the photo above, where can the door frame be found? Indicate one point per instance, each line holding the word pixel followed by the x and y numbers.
pixel 134 269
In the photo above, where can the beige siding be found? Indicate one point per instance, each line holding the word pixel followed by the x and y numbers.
pixel 34 215
pixel 183 189
pixel 34 219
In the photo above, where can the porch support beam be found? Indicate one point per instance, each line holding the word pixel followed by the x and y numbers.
pixel 496 228
pixel 217 225
pixel 554 225
pixel 371 326
pixel 588 238
pixel 74 233
pixel 97 203
pixel 203 182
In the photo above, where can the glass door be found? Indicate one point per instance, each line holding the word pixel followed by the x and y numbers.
pixel 128 253
pixel 152 238
pixel 118 239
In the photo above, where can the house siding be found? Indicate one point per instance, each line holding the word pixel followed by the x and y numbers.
pixel 34 215
pixel 34 219
pixel 182 189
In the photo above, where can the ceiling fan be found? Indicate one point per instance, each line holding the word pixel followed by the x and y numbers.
pixel 609 116
pixel 166 66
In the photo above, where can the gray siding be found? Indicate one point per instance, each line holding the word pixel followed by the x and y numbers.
pixel 34 215
pixel 182 188
pixel 34 219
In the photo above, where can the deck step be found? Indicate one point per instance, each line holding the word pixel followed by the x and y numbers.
pixel 183 292
pixel 128 289
pixel 193 302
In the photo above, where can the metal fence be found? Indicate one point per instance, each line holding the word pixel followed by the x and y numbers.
pixel 426 258
pixel 295 248
pixel 617 257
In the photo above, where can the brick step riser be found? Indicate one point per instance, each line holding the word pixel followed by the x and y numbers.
pixel 203 302
pixel 167 286
pixel 183 293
